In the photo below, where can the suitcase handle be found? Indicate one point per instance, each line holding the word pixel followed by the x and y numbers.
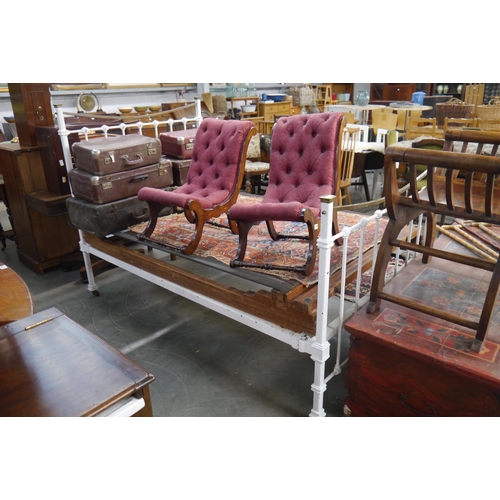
pixel 139 178
pixel 132 162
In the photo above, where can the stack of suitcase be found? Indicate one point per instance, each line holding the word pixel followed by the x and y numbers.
pixel 107 176
pixel 177 147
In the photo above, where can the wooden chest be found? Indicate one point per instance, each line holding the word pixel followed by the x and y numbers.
pixel 405 363
pixel 402 365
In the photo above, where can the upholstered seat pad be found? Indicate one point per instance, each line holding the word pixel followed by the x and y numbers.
pixel 181 199
pixel 269 211
pixel 370 146
pixel 256 166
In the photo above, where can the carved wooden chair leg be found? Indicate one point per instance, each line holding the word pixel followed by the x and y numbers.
pixel 392 231
pixel 154 210
pixel 489 305
pixel 430 234
pixel 243 230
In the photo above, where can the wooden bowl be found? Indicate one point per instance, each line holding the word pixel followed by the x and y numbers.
pixel 125 110
pixel 155 108
pixel 141 109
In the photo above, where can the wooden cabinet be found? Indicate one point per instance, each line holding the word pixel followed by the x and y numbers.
pixel 43 234
pixel 450 89
pixel 398 91
pixel 342 88
pixel 32 107
pixel 52 156
pixel 269 109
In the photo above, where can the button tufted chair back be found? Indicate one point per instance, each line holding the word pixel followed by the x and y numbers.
pixel 304 159
pixel 213 180
pixel 216 158
pixel 303 167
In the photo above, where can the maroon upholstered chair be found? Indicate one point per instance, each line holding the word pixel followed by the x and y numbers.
pixel 213 180
pixel 303 167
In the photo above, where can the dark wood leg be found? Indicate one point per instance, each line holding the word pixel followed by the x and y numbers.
pixel 489 305
pixel 243 230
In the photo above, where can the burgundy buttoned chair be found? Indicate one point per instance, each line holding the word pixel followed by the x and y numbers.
pixel 303 167
pixel 213 180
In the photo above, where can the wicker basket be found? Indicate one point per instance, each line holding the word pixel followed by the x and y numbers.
pixel 454 108
pixel 490 111
pixel 302 96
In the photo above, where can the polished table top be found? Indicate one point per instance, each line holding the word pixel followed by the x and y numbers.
pixel 15 298
pixel 52 366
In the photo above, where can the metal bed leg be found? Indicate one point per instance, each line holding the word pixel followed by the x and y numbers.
pixel 321 347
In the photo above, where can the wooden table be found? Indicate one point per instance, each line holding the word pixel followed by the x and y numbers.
pixel 53 367
pixel 365 110
pixel 15 298
pixel 405 363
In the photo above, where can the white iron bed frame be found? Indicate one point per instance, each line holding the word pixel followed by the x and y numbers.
pixel 317 346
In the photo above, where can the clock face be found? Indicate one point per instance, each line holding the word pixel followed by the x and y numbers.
pixel 87 102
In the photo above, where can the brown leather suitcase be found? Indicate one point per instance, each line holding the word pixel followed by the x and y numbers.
pixel 109 218
pixel 119 185
pixel 178 144
pixel 180 170
pixel 116 154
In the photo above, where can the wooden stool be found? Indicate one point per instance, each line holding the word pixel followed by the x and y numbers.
pixel 323 95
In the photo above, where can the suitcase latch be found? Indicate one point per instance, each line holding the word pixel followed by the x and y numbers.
pixel 110 159
pixel 151 151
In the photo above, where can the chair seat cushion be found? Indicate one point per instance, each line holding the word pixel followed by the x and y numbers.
pixel 256 166
pixel 370 146
pixel 181 197
pixel 291 211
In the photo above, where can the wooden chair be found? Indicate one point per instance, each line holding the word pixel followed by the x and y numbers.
pixel 386 121
pixel 458 123
pixel 255 168
pixel 448 195
pixel 213 181
pixel 303 167
pixel 387 137
pixel 345 165
pixel 418 126
pixel 488 123
pixel 350 118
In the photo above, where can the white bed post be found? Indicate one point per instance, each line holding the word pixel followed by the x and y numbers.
pixel 199 118
pixel 321 347
pixel 63 134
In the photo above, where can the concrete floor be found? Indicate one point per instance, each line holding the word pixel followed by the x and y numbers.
pixel 205 364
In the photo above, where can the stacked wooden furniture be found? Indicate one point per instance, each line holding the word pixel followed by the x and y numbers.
pixel 36 193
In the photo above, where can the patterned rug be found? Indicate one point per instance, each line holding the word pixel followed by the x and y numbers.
pixel 219 243
pixel 366 281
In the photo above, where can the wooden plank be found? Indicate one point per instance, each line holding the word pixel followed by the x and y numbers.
pixel 263 304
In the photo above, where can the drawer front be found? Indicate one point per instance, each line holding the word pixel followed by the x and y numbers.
pixel 278 108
